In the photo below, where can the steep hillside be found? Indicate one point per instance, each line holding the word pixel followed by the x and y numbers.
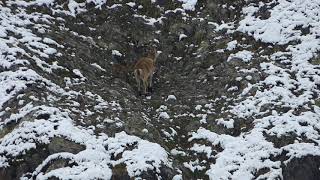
pixel 235 96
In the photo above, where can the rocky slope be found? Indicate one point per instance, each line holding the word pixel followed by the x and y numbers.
pixel 236 90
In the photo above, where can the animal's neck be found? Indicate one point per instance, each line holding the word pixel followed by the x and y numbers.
pixel 151 56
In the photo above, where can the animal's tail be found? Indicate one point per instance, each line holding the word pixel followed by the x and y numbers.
pixel 138 73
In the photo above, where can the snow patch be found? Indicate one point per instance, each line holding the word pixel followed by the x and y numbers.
pixel 244 55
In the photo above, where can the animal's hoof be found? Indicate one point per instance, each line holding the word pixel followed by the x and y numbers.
pixel 150 89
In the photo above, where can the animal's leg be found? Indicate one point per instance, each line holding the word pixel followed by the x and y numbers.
pixel 145 85
pixel 150 83
pixel 138 81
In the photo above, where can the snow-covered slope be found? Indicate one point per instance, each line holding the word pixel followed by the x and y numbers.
pixel 38 118
pixel 245 109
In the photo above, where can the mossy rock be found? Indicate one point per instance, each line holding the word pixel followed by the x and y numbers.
pixel 315 61
pixel 119 171
pixel 317 102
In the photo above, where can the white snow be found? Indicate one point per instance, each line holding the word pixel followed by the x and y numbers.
pixel 164 115
pixel 244 154
pixel 198 107
pixel 78 73
pixel 162 108
pixel 131 4
pixel 41 131
pixel 177 152
pixel 94 162
pixel 177 177
pixel 98 66
pixel 289 87
pixel 249 78
pixel 279 27
pixel 244 55
pixel 202 149
pixel 116 53
pixel 149 20
pixel 228 124
pixel 240 155
pixel 189 4
pixel 146 156
pixel 50 51
pixel 232 45
pixel 229 26
pixel 193 165
pixel 171 97
pixel 182 36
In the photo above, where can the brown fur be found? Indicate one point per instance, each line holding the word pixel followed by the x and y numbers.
pixel 144 69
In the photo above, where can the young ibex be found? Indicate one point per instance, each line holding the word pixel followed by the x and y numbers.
pixel 144 69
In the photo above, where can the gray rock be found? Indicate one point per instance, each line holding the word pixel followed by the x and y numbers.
pixel 59 144
pixel 302 168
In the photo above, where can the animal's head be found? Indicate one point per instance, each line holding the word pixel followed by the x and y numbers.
pixel 153 53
